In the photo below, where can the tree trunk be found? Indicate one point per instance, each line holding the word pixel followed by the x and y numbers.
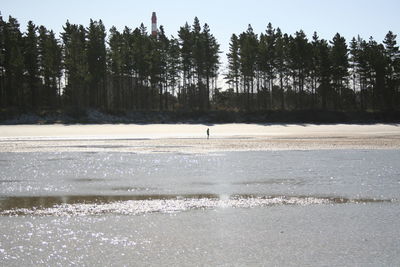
pixel 271 81
pixel 282 92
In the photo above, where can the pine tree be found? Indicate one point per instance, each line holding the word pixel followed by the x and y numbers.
pixel 363 71
pixel 186 44
pixel 114 62
pixel 159 45
pixel 211 56
pixel 173 65
pixel 13 64
pixel 391 51
pixel 377 63
pixel 248 42
pixel 3 95
pixel 142 60
pixel 56 68
pixel 233 74
pixel 49 66
pixel 270 40
pixel 324 73
pixel 281 63
pixel 75 64
pixel 198 57
pixel 262 70
pixel 340 66
pixel 31 55
pixel 164 50
pixel 392 70
pixel 353 60
pixel 300 61
pixel 96 60
pixel 132 73
pixel 313 67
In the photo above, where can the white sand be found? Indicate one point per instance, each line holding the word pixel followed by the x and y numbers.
pixel 191 138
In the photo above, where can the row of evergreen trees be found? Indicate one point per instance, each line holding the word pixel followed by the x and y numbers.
pixel 132 70
pixel 30 66
pixel 281 71
pixel 129 70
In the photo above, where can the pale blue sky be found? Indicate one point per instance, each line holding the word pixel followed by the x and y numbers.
pixel 348 17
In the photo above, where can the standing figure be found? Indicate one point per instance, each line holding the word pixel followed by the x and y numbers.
pixel 208 133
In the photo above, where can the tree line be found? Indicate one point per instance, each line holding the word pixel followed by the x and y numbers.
pixel 280 71
pixel 88 67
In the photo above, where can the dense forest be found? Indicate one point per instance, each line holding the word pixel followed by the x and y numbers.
pixel 132 70
pixel 128 70
pixel 280 71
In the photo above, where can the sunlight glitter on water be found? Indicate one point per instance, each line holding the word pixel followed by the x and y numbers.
pixel 172 205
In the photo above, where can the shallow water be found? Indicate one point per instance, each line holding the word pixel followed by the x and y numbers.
pixel 324 207
pixel 342 173
pixel 333 235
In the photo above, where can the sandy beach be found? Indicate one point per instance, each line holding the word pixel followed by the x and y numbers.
pixel 191 138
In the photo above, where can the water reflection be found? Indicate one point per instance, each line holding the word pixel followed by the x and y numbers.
pixel 271 182
pixel 88 180
pixel 140 204
pixel 32 202
pixel 134 189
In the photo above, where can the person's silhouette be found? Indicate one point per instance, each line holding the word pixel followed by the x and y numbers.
pixel 208 133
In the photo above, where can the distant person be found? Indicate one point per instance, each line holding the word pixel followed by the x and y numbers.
pixel 208 133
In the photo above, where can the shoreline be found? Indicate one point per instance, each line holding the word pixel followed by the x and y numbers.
pixel 76 116
pixel 191 138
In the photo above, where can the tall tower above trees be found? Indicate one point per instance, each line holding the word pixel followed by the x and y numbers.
pixel 154 24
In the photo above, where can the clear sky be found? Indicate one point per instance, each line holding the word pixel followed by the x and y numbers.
pixel 348 17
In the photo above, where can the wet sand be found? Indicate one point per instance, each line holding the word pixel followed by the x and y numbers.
pixel 191 138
